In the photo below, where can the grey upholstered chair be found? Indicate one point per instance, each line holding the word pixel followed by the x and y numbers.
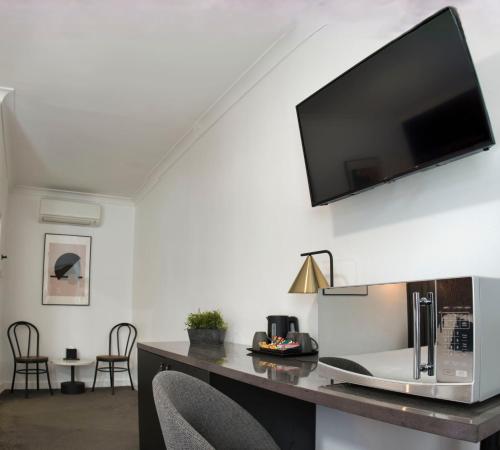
pixel 194 415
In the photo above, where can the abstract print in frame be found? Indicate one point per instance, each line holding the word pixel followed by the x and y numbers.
pixel 66 270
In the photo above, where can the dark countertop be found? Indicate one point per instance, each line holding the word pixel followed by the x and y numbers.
pixel 297 377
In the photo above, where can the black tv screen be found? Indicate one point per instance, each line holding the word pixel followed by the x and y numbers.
pixel 414 103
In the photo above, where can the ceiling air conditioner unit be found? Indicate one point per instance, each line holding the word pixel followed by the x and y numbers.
pixel 73 213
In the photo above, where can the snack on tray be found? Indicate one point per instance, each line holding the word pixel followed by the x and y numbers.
pixel 279 343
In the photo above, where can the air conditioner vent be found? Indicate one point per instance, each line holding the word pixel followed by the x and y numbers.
pixel 69 212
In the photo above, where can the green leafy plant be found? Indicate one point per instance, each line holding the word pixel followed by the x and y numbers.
pixel 206 320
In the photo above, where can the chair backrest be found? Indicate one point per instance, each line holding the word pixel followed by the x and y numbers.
pixel 121 331
pixel 29 331
pixel 193 414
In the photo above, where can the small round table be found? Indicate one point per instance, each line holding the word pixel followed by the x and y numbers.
pixel 72 387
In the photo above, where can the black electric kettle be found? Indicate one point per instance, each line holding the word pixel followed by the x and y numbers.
pixel 281 325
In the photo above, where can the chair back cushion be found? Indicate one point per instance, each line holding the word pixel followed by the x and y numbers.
pixel 193 414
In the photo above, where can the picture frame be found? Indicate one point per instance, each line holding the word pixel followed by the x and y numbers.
pixel 66 270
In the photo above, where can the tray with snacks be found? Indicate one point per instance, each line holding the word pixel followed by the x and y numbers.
pixel 281 347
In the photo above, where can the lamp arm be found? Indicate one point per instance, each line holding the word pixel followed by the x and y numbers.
pixel 331 261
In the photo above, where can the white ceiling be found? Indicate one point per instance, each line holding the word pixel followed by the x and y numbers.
pixel 103 88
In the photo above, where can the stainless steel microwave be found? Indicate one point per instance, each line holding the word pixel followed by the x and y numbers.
pixel 434 338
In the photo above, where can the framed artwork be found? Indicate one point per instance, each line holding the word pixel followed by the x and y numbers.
pixel 66 270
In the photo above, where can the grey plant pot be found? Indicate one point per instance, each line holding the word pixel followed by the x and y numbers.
pixel 206 336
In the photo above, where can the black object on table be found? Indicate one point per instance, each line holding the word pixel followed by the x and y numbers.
pixel 71 353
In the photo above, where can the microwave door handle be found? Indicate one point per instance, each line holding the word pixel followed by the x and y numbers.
pixel 431 322
pixel 416 335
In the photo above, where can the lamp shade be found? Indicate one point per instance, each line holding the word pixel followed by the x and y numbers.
pixel 309 280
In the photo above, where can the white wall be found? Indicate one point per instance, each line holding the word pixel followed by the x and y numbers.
pixel 85 327
pixel 4 188
pixel 225 226
pixel 4 182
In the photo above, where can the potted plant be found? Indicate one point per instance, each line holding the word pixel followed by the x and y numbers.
pixel 206 327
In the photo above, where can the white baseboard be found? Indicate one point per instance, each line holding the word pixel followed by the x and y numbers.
pixel 56 384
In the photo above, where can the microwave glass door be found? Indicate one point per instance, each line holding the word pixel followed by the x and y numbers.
pixel 374 334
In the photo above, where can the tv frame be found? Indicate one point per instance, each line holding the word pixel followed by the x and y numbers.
pixel 450 157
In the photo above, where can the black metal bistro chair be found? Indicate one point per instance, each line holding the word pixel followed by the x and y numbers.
pixel 111 358
pixel 30 357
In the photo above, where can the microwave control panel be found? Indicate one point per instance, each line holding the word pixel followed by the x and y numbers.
pixel 454 331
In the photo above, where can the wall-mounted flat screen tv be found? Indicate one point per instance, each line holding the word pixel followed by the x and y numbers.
pixel 412 104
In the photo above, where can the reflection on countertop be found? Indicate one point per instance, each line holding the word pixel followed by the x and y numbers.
pixel 293 370
pixel 284 369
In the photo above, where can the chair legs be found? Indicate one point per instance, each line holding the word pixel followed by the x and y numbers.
pixel 13 378
pixel 111 370
pixel 95 375
pixel 48 378
pixel 130 376
pixel 26 392
pixel 112 376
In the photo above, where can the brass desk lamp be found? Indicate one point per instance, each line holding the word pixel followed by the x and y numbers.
pixel 310 279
